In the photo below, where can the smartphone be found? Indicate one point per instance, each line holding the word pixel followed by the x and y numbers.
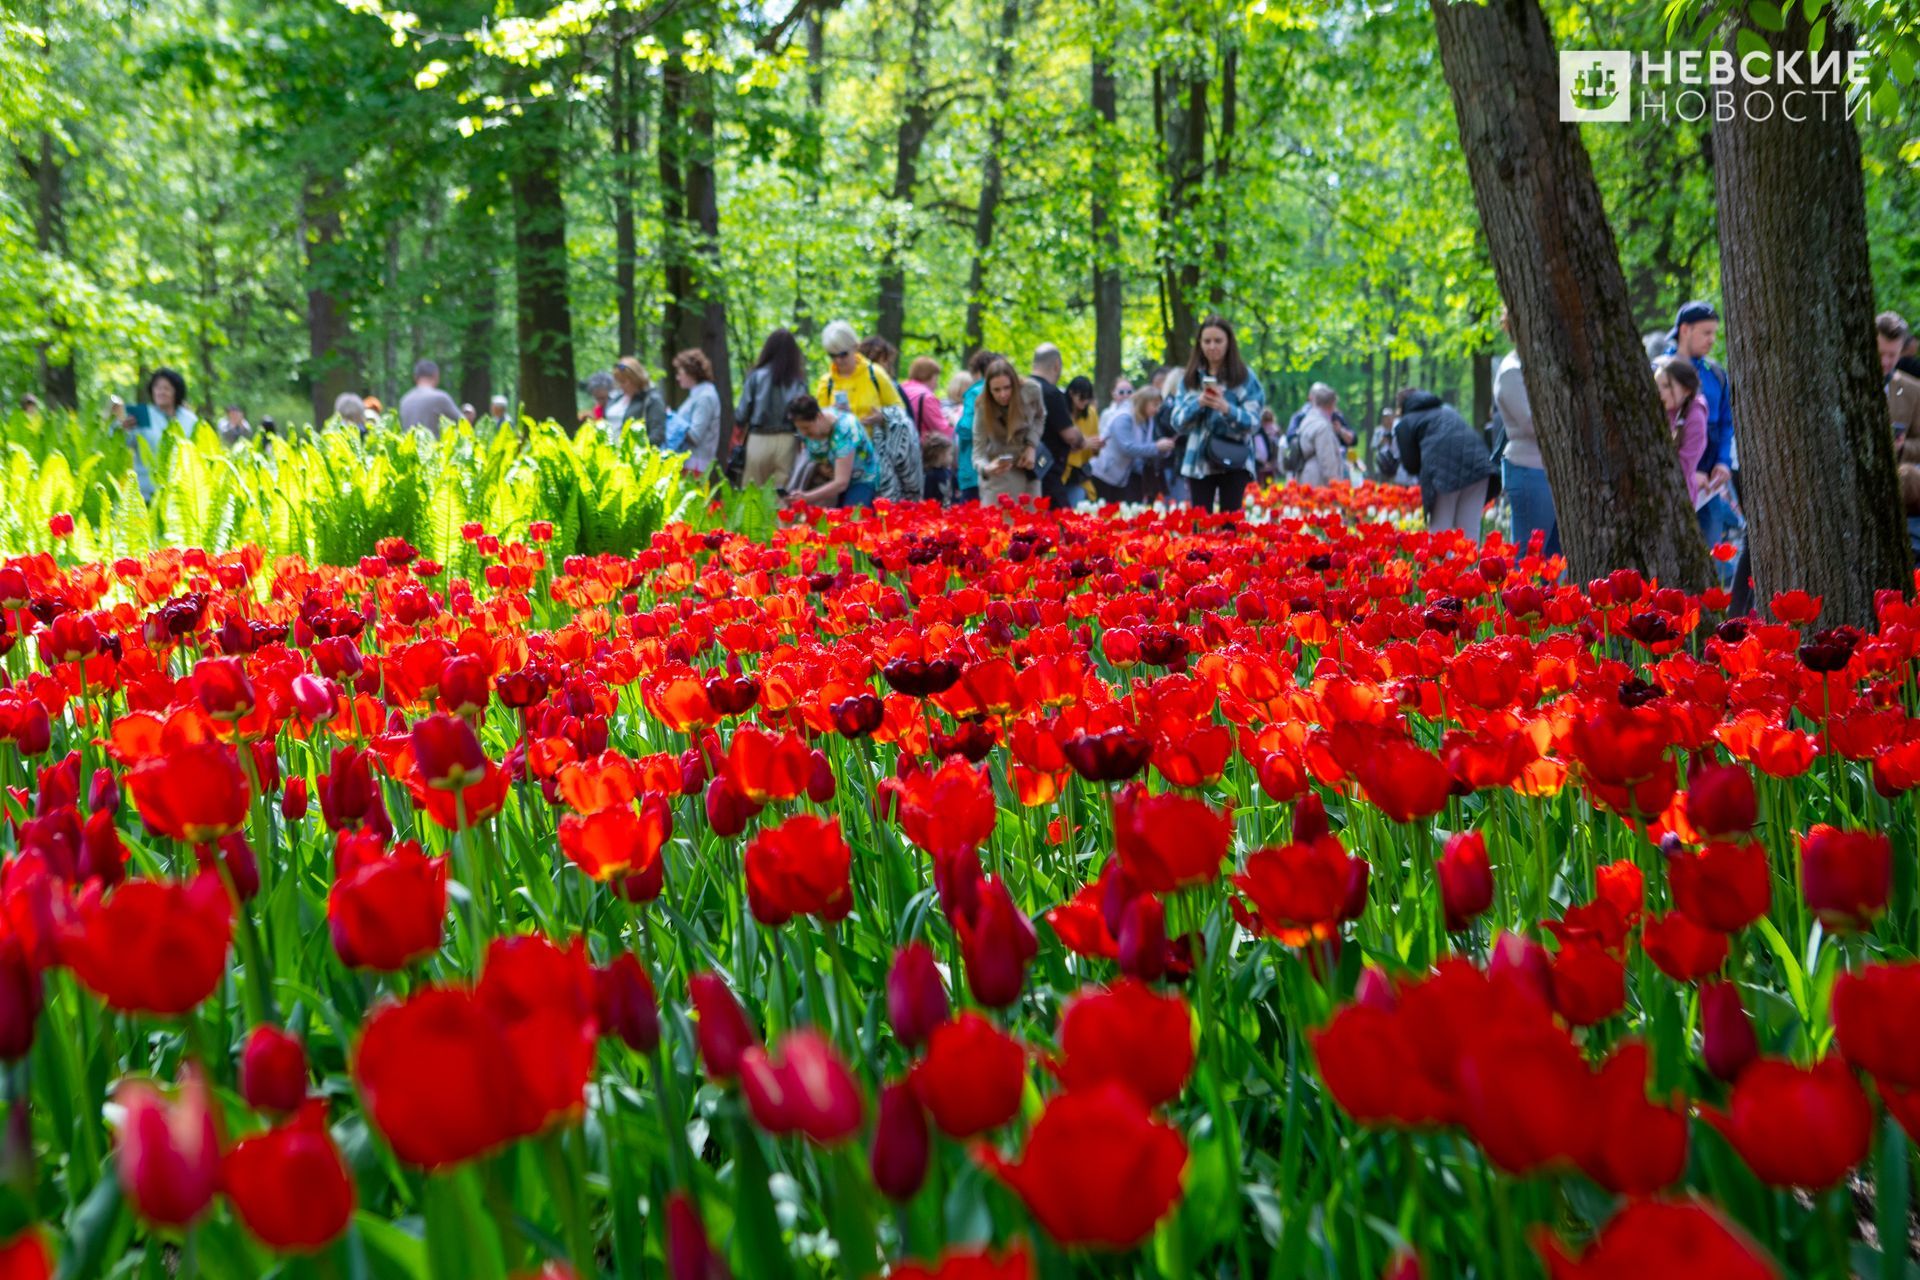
pixel 1208 380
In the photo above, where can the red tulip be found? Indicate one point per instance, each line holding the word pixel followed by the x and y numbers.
pixel 975 1263
pixel 996 945
pixel 802 1087
pixel 1797 1126
pixel 1403 1265
pixel 720 1026
pixel 1682 949
pixel 21 993
pixel 1589 984
pixel 972 1078
pixel 1128 1035
pixel 1303 892
pixel 1846 876
pixel 541 996
pixel 1725 886
pixel 623 1003
pixel 348 796
pixel 273 1070
pixel 437 1077
pixel 916 995
pixel 617 841
pixel 222 688
pixel 293 800
pixel 801 867
pixel 1638 1146
pixel 289 1184
pixel 1097 1169
pixel 689 1255
pixel 1466 879
pixel 1650 1239
pixel 1405 781
pixel 1728 1045
pixel 1169 842
pixel 195 792
pixel 26 1257
pixel 168 1156
pixel 762 766
pixel 1112 755
pixel 447 753
pixel 463 686
pixel 948 809
pixel 728 809
pixel 385 910
pixel 901 1144
pixel 153 946
pixel 1720 801
pixel 1526 1096
pixel 1876 1019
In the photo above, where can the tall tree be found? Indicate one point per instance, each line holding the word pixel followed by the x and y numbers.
pixel 1816 454
pixel 543 311
pixel 333 367
pixel 623 108
pixel 696 309
pixel 1183 140
pixel 1108 294
pixel 992 176
pixel 1609 454
pixel 917 112
pixel 46 169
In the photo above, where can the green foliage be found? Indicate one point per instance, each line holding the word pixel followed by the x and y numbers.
pixel 331 495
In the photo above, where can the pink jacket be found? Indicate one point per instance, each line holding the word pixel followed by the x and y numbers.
pixel 1690 438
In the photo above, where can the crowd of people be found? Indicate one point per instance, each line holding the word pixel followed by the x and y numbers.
pixel 1199 433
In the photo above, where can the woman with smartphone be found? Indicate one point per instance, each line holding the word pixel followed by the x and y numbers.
pixel 1218 410
pixel 1006 434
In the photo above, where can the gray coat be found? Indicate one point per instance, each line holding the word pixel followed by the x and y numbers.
pixel 1437 445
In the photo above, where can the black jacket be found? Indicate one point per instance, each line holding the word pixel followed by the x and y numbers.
pixel 1437 445
pixel 1059 418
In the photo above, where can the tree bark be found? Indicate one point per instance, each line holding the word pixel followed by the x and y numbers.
pixel 1108 297
pixel 624 106
pixel 543 308
pixel 992 180
pixel 1223 176
pixel 696 310
pixel 1816 453
pixel 916 122
pixel 474 229
pixel 48 173
pixel 1482 388
pixel 333 367
pixel 804 321
pixel 1185 142
pixel 1609 453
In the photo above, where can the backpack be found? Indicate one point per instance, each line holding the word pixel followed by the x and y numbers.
pixel 896 452
pixel 1293 458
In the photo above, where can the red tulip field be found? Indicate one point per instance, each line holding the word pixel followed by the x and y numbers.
pixel 969 893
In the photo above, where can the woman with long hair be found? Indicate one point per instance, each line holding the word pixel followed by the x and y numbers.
pixel 1679 385
pixel 695 426
pixel 966 482
pixel 1007 419
pixel 1218 410
pixel 776 378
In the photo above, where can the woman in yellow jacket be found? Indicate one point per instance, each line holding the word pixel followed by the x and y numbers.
pixel 866 388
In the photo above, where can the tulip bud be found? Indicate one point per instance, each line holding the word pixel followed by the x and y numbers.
pixel 693 771
pixel 720 1027
pixel 103 793
pixel 1720 801
pixel 996 947
pixel 103 855
pixel 1143 938
pixel 1728 1044
pixel 1524 962
pixel 728 811
pixel 237 854
pixel 623 1000
pixel 273 1071
pixel 901 1144
pixel 689 1255
pixel 916 995
pixel 315 698
pixel 20 1000
pixel 1404 1265
pixel 293 801
pixel 1466 881
pixel 820 783
pixel 168 1158
pixel 1309 818
pixel 1374 990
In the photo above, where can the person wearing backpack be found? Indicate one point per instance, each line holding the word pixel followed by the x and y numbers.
pixel 1449 457
pixel 930 419
pixel 776 378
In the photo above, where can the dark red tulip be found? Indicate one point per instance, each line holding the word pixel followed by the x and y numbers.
pixel 821 785
pixel 1682 949
pixel 1720 801
pixel 1113 755
pixel 21 993
pixel 916 995
pixel 624 1003
pixel 1876 1019
pixel 273 1071
pixel 902 1147
pixel 1728 1045
pixel 689 1255
pixel 1652 1238
pixel 972 1077
pixel 802 1087
pixel 728 809
pixel 463 686
pixel 720 1026
pixel 293 800
pixel 1726 886
pixel 996 945
pixel 103 792
pixel 1142 943
pixel 448 754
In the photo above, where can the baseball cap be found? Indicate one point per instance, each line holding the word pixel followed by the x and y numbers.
pixel 1694 312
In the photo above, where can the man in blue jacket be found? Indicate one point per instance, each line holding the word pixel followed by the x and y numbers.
pixel 1695 327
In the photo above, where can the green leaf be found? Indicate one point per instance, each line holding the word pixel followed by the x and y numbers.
pixel 1749 43
pixel 1768 15
pixel 99 1229
pixel 462 1241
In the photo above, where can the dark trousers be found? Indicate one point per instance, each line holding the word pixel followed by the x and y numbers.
pixel 1223 491
pixel 1114 492
pixel 1742 603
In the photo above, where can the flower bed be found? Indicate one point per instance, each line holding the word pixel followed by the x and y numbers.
pixel 964 892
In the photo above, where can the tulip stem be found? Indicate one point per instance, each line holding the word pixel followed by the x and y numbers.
pixel 257 992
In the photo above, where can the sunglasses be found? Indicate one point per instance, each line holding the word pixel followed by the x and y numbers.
pixel 838 355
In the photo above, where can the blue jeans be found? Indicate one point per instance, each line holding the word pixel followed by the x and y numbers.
pixel 858 494
pixel 1531 501
pixel 1720 523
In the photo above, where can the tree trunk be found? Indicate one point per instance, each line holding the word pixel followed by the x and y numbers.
pixel 624 105
pixel 696 311
pixel 1482 388
pixel 916 122
pixel 333 368
pixel 480 301
pixel 804 321
pixel 543 310
pixel 48 173
pixel 1816 456
pixel 1185 141
pixel 992 179
pixel 1108 296
pixel 1609 454
pixel 1223 210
